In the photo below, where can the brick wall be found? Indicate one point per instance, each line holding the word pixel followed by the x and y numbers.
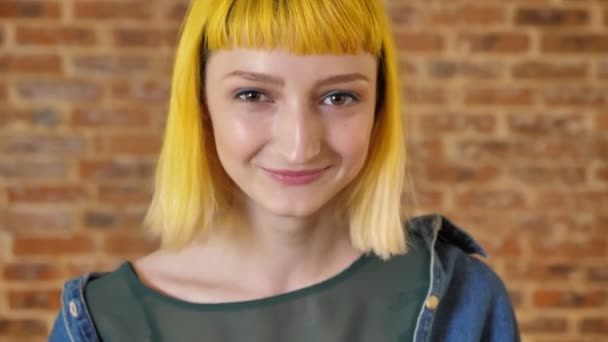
pixel 507 102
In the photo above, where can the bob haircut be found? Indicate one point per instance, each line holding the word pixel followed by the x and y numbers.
pixel 191 187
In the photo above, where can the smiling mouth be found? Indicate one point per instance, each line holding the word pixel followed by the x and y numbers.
pixel 295 177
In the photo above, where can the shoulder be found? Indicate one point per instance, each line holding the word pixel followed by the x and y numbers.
pixel 457 252
pixel 115 283
pixel 474 301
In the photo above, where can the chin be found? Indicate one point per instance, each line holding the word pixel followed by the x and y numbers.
pixel 294 209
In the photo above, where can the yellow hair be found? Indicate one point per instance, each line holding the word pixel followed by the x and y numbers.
pixel 191 187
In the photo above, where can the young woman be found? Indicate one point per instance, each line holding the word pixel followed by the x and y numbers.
pixel 277 198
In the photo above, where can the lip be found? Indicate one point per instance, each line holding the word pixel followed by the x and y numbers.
pixel 295 177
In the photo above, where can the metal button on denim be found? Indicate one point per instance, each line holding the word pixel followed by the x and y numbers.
pixel 73 309
pixel 431 302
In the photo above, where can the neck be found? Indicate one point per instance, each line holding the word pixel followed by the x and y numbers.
pixel 281 254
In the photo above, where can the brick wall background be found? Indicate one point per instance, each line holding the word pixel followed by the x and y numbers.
pixel 507 102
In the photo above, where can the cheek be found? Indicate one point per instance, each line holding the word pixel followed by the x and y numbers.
pixel 238 136
pixel 351 140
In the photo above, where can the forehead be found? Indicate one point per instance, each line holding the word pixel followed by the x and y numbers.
pixel 287 64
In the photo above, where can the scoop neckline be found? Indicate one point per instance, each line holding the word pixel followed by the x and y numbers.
pixel 136 284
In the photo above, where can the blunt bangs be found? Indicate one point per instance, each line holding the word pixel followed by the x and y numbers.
pixel 300 27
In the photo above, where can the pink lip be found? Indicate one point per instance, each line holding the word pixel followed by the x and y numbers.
pixel 295 177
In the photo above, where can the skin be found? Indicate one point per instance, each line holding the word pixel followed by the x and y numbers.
pixel 272 110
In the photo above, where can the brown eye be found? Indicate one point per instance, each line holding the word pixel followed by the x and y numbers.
pixel 251 96
pixel 339 99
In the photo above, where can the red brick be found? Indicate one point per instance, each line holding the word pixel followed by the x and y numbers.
pixel 42 145
pixel 567 298
pixel 99 219
pixel 490 199
pixel 594 325
pixel 574 200
pixel 22 328
pixel 455 173
pixel 424 198
pixel 30 64
pixel 146 91
pixel 590 248
pixel 138 37
pixel 177 12
pixel 124 244
pixel 419 42
pixel 117 218
pixel 18 170
pixel 31 118
pixel 509 246
pixel 124 194
pixel 23 271
pixel 597 273
pixel 458 123
pixel 401 14
pixel 601 174
pixel 51 194
pixel 425 149
pixel 3 92
pixel 425 95
pixel 600 147
pixel 408 66
pixel 602 72
pixel 65 35
pixel 79 267
pixel 13 170
pixel 483 150
pixel 542 271
pixel 113 170
pixel 544 176
pixel 574 43
pixel 29 9
pixel 553 148
pixel 2 35
pixel 443 69
pixel 467 15
pixel 28 220
pixel 499 96
pixel 577 96
pixel 544 16
pixel 549 124
pixel 171 37
pixel 132 144
pixel 120 117
pixel 517 298
pixel 539 225
pixel 111 65
pixel 544 70
pixel 119 9
pixel 58 90
pixel 543 324
pixel 34 299
pixel 48 246
pixel 495 42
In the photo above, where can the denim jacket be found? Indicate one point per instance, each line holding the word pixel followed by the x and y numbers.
pixel 466 300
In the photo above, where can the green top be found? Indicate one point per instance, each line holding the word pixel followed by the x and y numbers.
pixel 371 300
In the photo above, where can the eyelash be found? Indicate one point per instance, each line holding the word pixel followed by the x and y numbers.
pixel 244 92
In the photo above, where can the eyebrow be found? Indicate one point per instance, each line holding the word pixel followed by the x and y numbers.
pixel 264 78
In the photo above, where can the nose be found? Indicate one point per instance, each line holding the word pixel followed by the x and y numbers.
pixel 298 133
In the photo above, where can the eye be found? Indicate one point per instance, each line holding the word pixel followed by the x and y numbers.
pixel 339 99
pixel 251 95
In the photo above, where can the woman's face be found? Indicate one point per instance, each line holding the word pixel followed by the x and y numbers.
pixel 291 131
